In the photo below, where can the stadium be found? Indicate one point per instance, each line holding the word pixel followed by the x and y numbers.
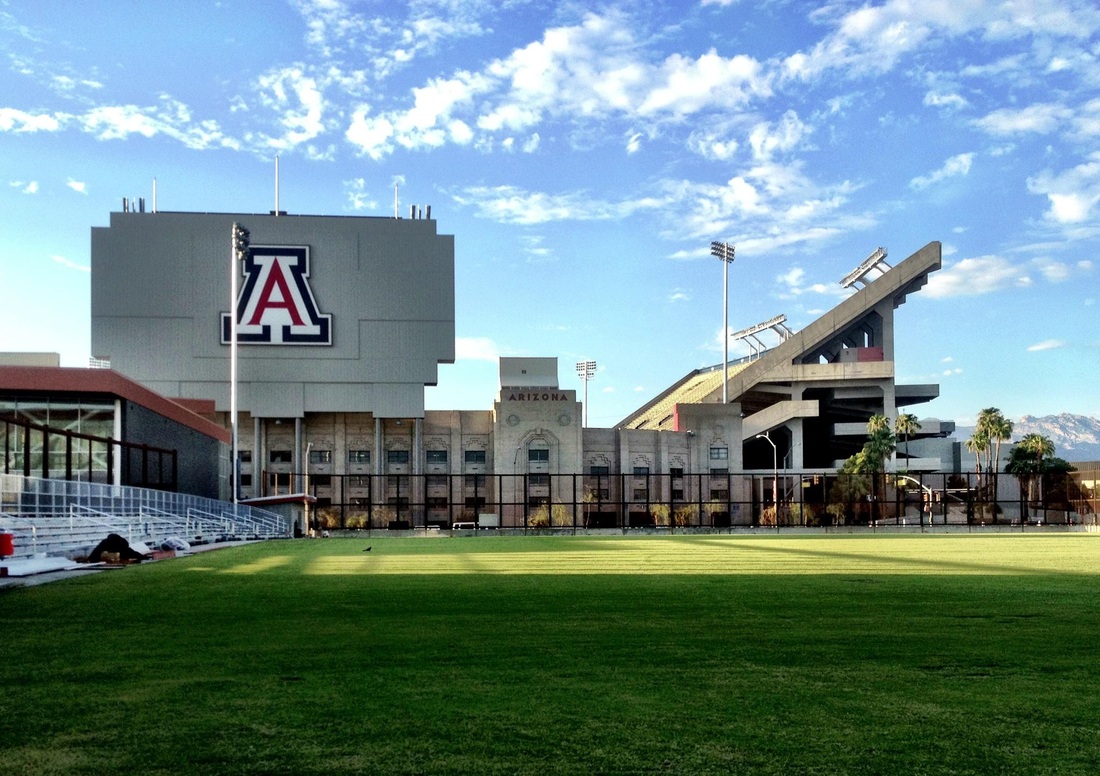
pixel 341 322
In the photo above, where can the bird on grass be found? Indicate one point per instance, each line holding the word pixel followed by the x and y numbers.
pixel 368 549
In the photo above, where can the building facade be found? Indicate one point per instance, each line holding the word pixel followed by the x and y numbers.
pixel 342 322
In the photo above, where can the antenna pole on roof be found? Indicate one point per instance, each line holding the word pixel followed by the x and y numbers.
pixel 276 185
pixel 154 195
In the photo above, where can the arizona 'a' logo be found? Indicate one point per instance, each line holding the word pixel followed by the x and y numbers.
pixel 276 305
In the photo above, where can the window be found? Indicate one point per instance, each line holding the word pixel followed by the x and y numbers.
pixel 677 494
pixel 437 502
pixel 720 472
pixel 281 456
pixel 538 455
pixel 244 456
pixel 475 503
pixel 358 456
pixel 538 501
pixel 321 480
pixel 538 480
pixel 719 495
pixel 719 454
pixel 475 480
pixel 400 502
pixel 641 494
pixel 246 480
pixel 397 456
pixel 437 480
pixel 359 481
pixel 599 471
pixel 676 473
pixel 475 456
pixel 641 471
pixel 320 456
pixel 436 456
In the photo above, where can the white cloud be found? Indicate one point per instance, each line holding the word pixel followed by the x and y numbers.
pixel 588 71
pixel 956 166
pixel 476 349
pixel 633 143
pixel 12 120
pixel 1073 194
pixel 1050 344
pixel 373 134
pixel 70 264
pixel 873 38
pixel 950 100
pixel 25 187
pixel 974 277
pixel 510 204
pixel 1041 118
pixel 172 119
pixel 297 98
pixel 679 295
pixel 712 144
pixel 767 139
pixel 357 198
pixel 78 186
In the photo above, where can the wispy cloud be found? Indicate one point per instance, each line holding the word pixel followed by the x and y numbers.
pixel 70 264
pixel 78 186
pixel 476 349
pixel 1050 344
pixel 956 166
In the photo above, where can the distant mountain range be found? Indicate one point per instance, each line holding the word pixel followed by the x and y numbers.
pixel 1075 437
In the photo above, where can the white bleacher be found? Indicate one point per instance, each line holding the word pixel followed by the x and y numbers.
pixel 60 517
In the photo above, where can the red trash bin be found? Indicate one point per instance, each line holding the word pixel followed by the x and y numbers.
pixel 7 544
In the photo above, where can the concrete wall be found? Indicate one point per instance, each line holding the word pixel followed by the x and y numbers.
pixel 160 286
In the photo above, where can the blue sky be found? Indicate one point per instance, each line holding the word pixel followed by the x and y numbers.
pixel 584 156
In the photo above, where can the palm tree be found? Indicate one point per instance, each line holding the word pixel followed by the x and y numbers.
pixel 881 442
pixel 978 444
pixel 878 422
pixel 905 425
pixel 1038 446
pixel 1021 464
pixel 995 427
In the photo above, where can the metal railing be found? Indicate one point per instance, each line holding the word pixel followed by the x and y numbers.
pixel 63 516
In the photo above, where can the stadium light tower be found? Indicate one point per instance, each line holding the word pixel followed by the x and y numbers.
pixel 724 251
pixel 238 252
pixel 586 370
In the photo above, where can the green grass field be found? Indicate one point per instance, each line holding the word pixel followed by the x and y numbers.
pixel 701 654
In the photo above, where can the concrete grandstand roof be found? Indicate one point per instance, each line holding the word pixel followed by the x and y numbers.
pixel 784 363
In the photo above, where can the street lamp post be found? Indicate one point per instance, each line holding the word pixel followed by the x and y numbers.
pixel 586 370
pixel 724 251
pixel 238 251
pixel 775 474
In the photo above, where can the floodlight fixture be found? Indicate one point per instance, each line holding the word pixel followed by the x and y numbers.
pixel 724 251
pixel 586 370
pixel 859 274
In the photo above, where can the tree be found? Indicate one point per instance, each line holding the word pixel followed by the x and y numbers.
pixel 978 444
pixel 993 426
pixel 880 443
pixel 1038 445
pixel 905 425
